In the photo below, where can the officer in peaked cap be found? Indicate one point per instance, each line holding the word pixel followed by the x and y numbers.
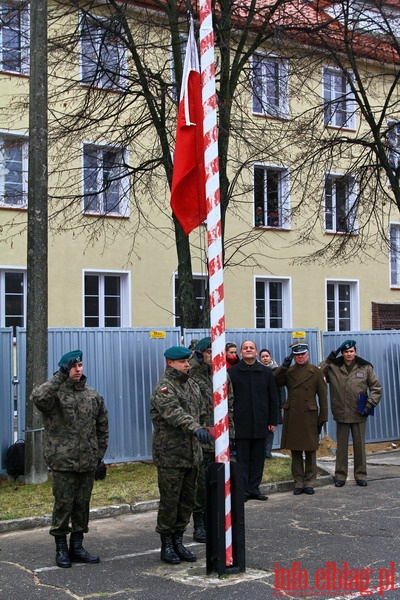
pixel 299 347
pixel 178 415
pixel 305 412
pixel 354 390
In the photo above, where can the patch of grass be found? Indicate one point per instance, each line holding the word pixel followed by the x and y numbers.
pixel 126 483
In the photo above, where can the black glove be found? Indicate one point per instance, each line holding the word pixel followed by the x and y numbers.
pixel 65 369
pixel 320 426
pixel 287 361
pixel 232 445
pixel 203 436
pixel 366 411
pixel 101 471
pixel 333 354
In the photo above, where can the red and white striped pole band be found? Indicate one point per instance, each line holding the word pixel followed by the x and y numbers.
pixel 215 261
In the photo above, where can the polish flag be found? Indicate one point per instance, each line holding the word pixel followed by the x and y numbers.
pixel 188 195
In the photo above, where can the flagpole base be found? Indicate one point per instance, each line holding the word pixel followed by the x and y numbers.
pixel 215 520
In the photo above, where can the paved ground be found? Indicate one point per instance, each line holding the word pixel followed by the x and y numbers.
pixel 339 543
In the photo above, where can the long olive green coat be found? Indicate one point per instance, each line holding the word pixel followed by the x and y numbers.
pixel 302 412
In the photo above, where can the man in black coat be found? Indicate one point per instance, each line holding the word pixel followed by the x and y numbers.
pixel 255 411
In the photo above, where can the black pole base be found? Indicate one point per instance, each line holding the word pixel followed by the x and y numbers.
pixel 215 519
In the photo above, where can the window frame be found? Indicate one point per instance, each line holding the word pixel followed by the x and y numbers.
pixel 125 297
pixel 91 72
pixel 394 263
pixel 23 140
pixel 286 300
pixel 3 304
pixel 99 197
pixel 351 196
pixel 331 114
pixel 354 300
pixel 203 298
pixel 23 49
pixel 283 200
pixel 279 108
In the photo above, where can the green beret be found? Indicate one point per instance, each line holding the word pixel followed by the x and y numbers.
pixel 75 355
pixel 347 345
pixel 299 348
pixel 177 353
pixel 203 344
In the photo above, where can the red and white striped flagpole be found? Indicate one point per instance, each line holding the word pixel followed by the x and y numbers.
pixel 215 262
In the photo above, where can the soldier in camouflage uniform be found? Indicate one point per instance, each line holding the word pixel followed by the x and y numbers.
pixel 176 413
pixel 201 373
pixel 75 440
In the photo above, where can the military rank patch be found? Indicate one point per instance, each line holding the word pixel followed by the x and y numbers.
pixel 164 389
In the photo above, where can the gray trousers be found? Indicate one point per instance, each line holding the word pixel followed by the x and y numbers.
pixel 342 451
pixel 304 472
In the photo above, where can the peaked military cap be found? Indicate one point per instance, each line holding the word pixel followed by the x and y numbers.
pixel 177 353
pixel 347 345
pixel 203 344
pixel 299 347
pixel 75 355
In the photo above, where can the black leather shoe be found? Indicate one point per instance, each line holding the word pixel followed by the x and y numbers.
pixel 309 490
pixel 298 491
pixel 258 497
pixel 361 483
pixel 339 483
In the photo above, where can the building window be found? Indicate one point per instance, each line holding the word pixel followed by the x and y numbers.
pixel 12 299
pixel 342 306
pixel 394 255
pixel 339 106
pixel 106 183
pixel 13 172
pixel 271 197
pixel 273 303
pixel 393 136
pixel 270 86
pixel 14 37
pixel 103 56
pixel 200 283
pixel 340 204
pixel 106 300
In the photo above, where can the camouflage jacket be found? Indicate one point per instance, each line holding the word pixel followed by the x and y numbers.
pixel 75 423
pixel 176 412
pixel 202 375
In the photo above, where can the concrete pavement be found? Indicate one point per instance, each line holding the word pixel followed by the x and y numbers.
pixel 339 543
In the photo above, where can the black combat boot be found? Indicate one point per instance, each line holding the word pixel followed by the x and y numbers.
pixel 181 551
pixel 199 532
pixel 77 552
pixel 167 550
pixel 62 556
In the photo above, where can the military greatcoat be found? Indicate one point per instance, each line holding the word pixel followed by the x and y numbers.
pixel 302 411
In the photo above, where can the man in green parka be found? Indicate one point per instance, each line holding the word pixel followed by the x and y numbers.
pixel 177 414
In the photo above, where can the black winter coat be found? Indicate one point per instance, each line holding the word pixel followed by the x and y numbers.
pixel 256 399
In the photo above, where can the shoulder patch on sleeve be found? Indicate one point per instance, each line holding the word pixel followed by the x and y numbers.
pixel 164 389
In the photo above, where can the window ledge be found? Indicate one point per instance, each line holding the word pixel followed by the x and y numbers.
pixel 270 228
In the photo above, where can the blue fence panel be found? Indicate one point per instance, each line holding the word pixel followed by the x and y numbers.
pixel 6 394
pixel 382 349
pixel 123 365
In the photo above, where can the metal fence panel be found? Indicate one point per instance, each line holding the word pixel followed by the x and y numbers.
pixel 123 365
pixel 382 349
pixel 6 394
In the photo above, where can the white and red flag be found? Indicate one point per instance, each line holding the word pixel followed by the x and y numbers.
pixel 188 196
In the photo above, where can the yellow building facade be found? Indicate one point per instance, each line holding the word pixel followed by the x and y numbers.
pixel 112 254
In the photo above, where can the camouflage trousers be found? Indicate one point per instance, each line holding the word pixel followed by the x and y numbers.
pixel 200 503
pixel 177 488
pixel 72 492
